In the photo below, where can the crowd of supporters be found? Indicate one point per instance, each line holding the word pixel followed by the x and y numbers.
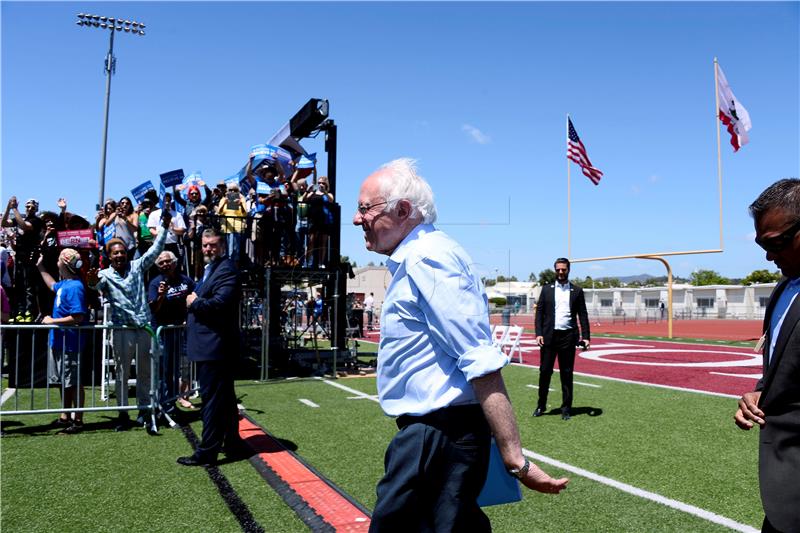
pixel 269 220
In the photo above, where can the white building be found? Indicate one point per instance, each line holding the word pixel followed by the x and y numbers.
pixel 688 301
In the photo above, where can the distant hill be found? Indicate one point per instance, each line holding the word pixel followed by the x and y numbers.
pixel 638 277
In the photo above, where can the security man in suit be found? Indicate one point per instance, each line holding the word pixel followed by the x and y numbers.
pixel 775 403
pixel 212 342
pixel 557 334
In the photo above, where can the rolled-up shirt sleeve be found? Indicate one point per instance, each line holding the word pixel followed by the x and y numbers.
pixel 455 308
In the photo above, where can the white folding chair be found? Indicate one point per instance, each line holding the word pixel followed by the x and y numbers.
pixel 499 334
pixel 511 343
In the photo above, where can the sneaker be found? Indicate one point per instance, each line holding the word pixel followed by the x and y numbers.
pixel 26 319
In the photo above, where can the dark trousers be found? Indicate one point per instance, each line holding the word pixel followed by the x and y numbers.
pixel 173 345
pixel 26 285
pixel 562 346
pixel 435 469
pixel 220 414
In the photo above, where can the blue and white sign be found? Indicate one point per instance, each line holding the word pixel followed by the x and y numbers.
pixel 173 177
pixel 139 191
pixel 263 188
pixel 307 161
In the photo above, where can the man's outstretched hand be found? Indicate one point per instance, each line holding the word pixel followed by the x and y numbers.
pixel 540 481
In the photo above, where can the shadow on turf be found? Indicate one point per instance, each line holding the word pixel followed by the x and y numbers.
pixel 576 411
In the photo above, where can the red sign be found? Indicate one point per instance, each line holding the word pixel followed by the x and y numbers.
pixel 78 238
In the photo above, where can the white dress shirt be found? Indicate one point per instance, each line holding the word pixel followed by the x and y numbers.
pixel 563 318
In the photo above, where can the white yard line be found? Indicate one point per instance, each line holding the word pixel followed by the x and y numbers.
pixel 537 386
pixel 751 376
pixel 355 392
pixel 647 495
pixel 588 384
pixel 643 383
pixel 630 489
pixel 307 402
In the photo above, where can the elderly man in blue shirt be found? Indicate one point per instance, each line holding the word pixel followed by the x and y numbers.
pixel 438 372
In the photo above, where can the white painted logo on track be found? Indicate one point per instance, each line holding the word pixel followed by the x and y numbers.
pixel 604 356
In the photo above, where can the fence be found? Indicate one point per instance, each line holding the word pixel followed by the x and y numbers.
pixel 77 362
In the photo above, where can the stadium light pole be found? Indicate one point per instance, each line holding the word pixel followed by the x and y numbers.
pixel 112 25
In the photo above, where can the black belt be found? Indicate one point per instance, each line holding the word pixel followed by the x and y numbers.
pixel 446 417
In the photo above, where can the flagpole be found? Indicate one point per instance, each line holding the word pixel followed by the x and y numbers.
pixel 719 149
pixel 569 218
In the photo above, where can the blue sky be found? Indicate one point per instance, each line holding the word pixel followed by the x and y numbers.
pixel 477 92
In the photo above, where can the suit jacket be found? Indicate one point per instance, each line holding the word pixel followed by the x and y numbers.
pixel 779 448
pixel 546 311
pixel 213 322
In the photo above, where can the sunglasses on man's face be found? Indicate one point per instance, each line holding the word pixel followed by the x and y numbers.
pixel 779 242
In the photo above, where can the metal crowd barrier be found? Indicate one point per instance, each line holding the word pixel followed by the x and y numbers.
pixel 33 376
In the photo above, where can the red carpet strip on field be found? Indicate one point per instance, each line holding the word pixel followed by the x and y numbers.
pixel 237 507
pixel 317 502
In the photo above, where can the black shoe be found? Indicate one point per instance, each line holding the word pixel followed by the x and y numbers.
pixel 565 415
pixel 539 411
pixel 193 460
pixel 123 423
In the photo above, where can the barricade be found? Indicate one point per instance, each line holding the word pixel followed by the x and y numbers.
pixel 78 355
pixel 176 375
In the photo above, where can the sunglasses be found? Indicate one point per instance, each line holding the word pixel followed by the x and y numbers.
pixel 779 242
pixel 364 209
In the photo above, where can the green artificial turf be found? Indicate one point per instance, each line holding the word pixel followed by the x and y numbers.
pixel 680 445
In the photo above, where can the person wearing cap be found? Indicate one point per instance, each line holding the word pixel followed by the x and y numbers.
pixel 123 286
pixel 26 280
pixel 234 218
pixel 69 309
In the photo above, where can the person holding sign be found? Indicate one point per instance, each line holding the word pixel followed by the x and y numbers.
pixel 175 229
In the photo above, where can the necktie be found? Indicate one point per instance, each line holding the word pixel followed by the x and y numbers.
pixel 206 275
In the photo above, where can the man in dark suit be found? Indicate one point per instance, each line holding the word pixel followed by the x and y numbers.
pixel 557 334
pixel 212 341
pixel 775 403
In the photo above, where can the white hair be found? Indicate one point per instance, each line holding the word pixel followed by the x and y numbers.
pixel 401 182
pixel 166 254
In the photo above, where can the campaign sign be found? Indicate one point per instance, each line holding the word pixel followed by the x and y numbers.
pixel 263 188
pixel 139 191
pixel 76 238
pixel 109 231
pixel 307 161
pixel 173 177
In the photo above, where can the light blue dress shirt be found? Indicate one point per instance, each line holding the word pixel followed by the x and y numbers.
pixel 780 310
pixel 435 335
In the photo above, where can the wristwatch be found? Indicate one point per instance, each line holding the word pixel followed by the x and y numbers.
pixel 519 473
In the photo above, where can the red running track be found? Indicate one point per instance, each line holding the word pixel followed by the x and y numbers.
pixel 715 369
pixel 691 366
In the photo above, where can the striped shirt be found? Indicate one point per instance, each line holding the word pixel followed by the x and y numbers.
pixel 127 293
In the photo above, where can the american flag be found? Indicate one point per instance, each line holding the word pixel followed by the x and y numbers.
pixel 576 152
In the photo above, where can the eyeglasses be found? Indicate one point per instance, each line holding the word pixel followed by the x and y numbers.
pixel 779 242
pixel 364 209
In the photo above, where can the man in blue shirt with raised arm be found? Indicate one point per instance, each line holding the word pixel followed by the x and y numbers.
pixel 438 372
